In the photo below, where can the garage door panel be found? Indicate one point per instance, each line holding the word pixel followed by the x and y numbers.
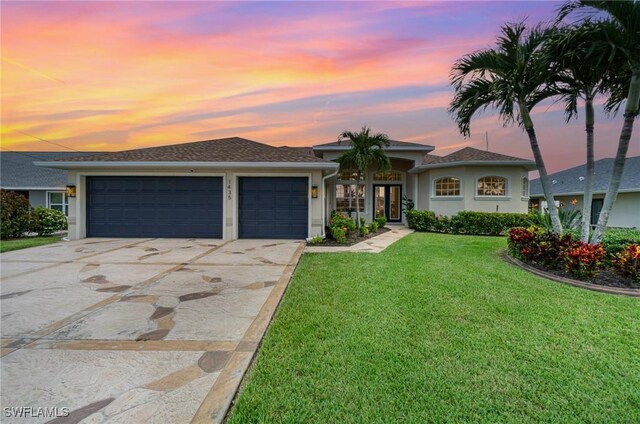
pixel 273 207
pixel 154 206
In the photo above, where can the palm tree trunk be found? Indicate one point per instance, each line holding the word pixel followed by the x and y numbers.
pixel 630 113
pixel 544 177
pixel 358 178
pixel 589 178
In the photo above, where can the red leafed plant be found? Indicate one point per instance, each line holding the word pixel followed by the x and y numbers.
pixel 583 259
pixel 627 262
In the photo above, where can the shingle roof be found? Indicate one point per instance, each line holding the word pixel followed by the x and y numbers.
pixel 469 154
pixel 233 149
pixel 568 181
pixel 18 171
pixel 392 144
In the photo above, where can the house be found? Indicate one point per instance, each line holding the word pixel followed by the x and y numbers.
pixel 568 190
pixel 237 188
pixel 42 186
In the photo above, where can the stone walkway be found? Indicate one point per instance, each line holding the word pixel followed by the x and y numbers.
pixel 373 245
pixel 136 330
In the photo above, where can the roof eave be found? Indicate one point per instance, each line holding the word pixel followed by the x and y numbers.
pixel 201 165
pixel 529 165
pixel 580 193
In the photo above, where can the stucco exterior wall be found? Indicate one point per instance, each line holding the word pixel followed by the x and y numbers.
pixel 468 199
pixel 77 205
pixel 625 212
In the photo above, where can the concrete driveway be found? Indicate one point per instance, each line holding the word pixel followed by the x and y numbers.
pixel 135 330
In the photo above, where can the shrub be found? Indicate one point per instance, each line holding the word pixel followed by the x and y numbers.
pixel 583 259
pixel 469 222
pixel 363 223
pixel 315 240
pixel 47 221
pixel 373 227
pixel 627 262
pixel 381 220
pixel 339 234
pixel 15 213
pixel 343 221
pixel 363 230
pixel 615 240
pixel 420 220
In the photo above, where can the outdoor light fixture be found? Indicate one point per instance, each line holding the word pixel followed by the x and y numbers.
pixel 70 191
pixel 314 191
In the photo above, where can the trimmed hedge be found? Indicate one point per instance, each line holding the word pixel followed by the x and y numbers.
pixel 469 222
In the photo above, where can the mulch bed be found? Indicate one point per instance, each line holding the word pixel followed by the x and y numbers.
pixel 353 238
pixel 606 277
pixel 606 281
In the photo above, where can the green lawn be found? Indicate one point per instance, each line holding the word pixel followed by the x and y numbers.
pixel 438 328
pixel 23 243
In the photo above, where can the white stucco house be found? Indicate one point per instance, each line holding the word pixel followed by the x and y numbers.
pixel 568 190
pixel 237 188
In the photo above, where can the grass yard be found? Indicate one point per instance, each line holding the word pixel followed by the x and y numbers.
pixel 23 243
pixel 438 328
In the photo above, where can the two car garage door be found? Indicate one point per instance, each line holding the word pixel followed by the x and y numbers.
pixel 185 207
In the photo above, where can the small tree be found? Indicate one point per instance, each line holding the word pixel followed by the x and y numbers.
pixel 366 151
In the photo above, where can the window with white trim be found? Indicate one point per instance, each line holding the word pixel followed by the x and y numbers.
pixel 525 187
pixel 58 200
pixel 447 186
pixel 492 186
pixel 346 197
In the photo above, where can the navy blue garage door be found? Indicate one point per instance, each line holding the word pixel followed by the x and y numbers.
pixel 154 207
pixel 273 207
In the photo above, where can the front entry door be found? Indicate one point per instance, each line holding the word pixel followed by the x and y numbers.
pixel 387 200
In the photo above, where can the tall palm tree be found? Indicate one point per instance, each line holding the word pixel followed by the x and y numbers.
pixel 583 76
pixel 367 150
pixel 622 27
pixel 513 77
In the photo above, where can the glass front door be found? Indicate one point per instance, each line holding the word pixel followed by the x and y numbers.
pixel 387 201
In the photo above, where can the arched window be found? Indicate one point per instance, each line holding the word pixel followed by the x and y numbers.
pixel 388 176
pixel 525 187
pixel 492 186
pixel 447 186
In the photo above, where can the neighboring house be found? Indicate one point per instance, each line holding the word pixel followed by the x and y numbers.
pixel 568 190
pixel 42 186
pixel 236 188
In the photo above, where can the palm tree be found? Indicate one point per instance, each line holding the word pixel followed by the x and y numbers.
pixel 622 27
pixel 366 151
pixel 583 76
pixel 514 75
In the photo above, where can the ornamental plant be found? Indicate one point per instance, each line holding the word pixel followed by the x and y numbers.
pixel 339 234
pixel 46 221
pixel 583 259
pixel 15 214
pixel 373 227
pixel 627 262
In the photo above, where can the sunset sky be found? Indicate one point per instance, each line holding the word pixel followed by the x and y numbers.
pixel 120 75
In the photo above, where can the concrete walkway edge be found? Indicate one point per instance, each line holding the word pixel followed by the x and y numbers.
pixel 373 245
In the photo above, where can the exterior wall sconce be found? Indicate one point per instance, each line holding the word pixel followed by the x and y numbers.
pixel 314 191
pixel 70 191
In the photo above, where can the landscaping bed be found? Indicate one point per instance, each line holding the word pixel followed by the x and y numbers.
pixel 351 239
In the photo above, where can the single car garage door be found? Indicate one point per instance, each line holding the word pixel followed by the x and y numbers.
pixel 154 207
pixel 273 207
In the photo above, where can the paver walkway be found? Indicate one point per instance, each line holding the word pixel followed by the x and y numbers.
pixel 136 330
pixel 373 245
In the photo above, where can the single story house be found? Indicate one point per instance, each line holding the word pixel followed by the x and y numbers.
pixel 237 188
pixel 41 186
pixel 568 190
